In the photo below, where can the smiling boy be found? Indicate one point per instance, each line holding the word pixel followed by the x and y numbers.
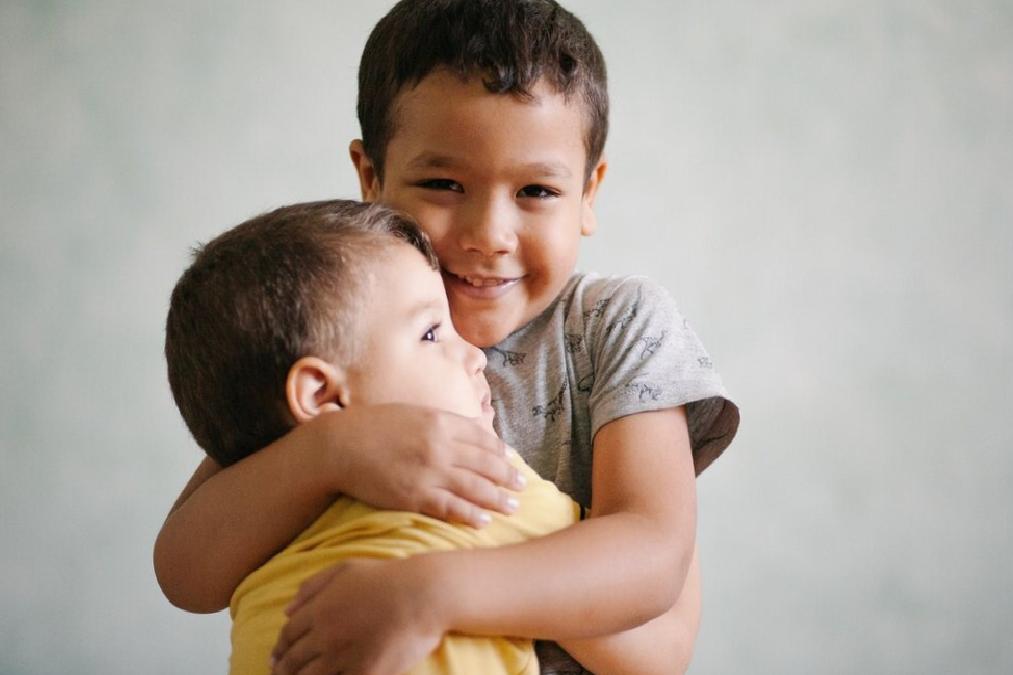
pixel 486 122
pixel 506 217
pixel 321 308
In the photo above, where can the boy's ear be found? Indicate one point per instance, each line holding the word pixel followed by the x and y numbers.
pixel 588 219
pixel 314 386
pixel 369 181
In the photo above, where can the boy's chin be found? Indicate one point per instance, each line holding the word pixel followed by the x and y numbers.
pixel 481 326
pixel 484 334
pixel 485 419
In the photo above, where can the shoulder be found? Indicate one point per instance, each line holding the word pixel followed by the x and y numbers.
pixel 598 304
pixel 589 285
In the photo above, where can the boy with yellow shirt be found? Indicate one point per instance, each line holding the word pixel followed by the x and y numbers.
pixel 485 120
pixel 317 309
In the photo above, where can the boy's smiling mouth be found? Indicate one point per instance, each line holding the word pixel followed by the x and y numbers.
pixel 485 282
pixel 479 286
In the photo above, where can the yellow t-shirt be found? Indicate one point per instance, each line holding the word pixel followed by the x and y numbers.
pixel 351 529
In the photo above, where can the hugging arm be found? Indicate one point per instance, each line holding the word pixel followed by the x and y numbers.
pixel 602 576
pixel 662 646
pixel 227 522
pixel 606 574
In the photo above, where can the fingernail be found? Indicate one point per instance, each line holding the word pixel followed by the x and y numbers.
pixel 484 519
pixel 512 504
pixel 520 481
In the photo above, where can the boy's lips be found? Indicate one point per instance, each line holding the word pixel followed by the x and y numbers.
pixel 477 286
pixel 486 404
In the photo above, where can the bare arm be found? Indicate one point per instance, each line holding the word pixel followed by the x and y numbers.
pixel 607 574
pixel 226 523
pixel 662 646
pixel 601 576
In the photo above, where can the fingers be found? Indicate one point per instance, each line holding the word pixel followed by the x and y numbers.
pixel 496 469
pixel 444 505
pixel 464 471
pixel 297 628
pixel 311 587
pixel 485 454
pixel 471 433
pixel 318 667
pixel 463 496
pixel 481 492
pixel 299 656
pixel 481 479
pixel 448 467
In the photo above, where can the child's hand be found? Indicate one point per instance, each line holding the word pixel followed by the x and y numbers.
pixel 360 616
pixel 411 458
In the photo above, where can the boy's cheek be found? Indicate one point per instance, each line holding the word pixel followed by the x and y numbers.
pixel 427 215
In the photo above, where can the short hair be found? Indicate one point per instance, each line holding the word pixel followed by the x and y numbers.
pixel 256 299
pixel 511 44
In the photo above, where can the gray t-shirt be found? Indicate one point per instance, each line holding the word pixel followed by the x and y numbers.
pixel 605 348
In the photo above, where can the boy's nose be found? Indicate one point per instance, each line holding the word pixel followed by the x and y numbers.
pixel 474 358
pixel 489 230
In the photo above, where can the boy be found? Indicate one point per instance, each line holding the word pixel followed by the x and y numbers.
pixel 317 308
pixel 486 122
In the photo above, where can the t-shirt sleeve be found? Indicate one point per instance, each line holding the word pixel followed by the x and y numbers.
pixel 646 357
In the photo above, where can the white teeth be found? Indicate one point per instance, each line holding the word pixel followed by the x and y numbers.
pixel 480 282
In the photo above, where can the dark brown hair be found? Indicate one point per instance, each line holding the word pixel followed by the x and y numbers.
pixel 256 299
pixel 510 44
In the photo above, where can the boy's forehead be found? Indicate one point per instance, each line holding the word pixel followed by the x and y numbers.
pixel 457 89
pixel 445 114
pixel 404 277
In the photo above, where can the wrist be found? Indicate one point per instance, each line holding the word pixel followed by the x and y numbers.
pixel 330 463
pixel 431 584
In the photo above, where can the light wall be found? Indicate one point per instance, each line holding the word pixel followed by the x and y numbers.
pixel 825 188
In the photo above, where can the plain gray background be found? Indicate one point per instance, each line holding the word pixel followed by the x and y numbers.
pixel 824 186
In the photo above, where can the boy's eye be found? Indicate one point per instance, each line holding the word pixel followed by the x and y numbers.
pixel 441 184
pixel 537 192
pixel 432 334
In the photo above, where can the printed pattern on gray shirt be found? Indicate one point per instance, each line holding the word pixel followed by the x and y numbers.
pixel 605 348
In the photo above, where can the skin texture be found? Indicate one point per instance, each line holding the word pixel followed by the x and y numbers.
pixel 375 617
pixel 497 211
pixel 410 354
pixel 410 351
pixel 498 184
pixel 508 216
pixel 227 523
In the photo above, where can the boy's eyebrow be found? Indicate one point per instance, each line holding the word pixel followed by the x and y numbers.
pixel 432 160
pixel 424 307
pixel 549 169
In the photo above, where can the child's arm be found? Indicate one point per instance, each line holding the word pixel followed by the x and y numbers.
pixel 228 522
pixel 604 575
pixel 663 645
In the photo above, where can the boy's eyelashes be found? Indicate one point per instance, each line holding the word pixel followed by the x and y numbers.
pixel 537 192
pixel 440 184
pixel 432 333
pixel 533 191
